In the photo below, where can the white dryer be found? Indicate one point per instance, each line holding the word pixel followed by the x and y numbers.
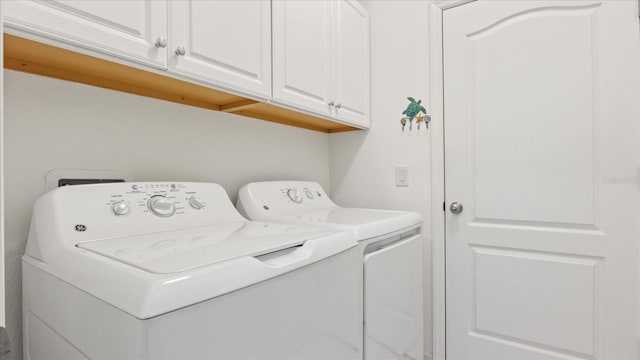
pixel 390 247
pixel 172 271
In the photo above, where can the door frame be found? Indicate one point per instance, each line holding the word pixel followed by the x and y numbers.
pixel 438 243
pixel 2 293
pixel 2 132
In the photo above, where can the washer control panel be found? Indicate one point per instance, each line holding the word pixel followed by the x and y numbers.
pixel 103 211
pixel 159 199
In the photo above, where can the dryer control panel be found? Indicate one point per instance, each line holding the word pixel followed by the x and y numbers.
pixel 299 193
pixel 285 194
pixel 255 200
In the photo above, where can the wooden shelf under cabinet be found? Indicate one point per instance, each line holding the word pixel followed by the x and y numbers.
pixel 37 58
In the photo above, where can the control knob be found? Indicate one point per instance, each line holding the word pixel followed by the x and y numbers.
pixel 294 195
pixel 309 193
pixel 196 203
pixel 120 208
pixel 161 206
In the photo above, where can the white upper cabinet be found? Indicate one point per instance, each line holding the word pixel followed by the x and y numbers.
pixel 351 63
pixel 321 58
pixel 134 30
pixel 227 43
pixel 309 56
pixel 302 54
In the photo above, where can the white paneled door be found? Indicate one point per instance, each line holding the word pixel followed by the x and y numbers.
pixel 541 133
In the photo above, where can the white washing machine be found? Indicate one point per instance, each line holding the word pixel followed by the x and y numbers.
pixel 390 248
pixel 172 271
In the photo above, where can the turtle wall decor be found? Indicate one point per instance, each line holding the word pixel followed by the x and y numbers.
pixel 415 111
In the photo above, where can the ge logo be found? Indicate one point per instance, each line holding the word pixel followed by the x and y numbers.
pixel 81 227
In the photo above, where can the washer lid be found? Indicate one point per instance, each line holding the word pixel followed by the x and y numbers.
pixel 182 250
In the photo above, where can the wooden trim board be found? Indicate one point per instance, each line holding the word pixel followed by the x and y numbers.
pixel 37 58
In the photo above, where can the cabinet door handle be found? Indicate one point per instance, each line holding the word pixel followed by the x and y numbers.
pixel 180 51
pixel 161 42
pixel 338 106
pixel 332 103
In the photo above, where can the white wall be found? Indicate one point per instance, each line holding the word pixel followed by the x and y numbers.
pixel 56 124
pixel 363 163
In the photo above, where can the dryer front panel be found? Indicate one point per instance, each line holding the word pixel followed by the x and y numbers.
pixel 393 301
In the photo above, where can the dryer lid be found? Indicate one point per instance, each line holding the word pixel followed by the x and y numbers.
pixel 182 250
pixel 355 216
pixel 364 223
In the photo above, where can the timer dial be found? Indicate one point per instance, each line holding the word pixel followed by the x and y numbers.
pixel 294 195
pixel 161 206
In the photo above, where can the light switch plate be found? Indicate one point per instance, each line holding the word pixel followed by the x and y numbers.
pixel 402 175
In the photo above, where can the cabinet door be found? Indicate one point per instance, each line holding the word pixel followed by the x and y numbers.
pixel 351 62
pixel 226 43
pixel 124 29
pixel 302 54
